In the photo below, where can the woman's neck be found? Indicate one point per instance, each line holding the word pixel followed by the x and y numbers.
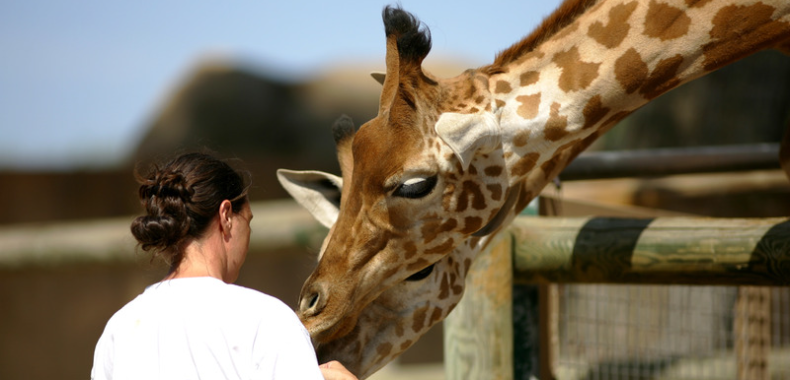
pixel 202 258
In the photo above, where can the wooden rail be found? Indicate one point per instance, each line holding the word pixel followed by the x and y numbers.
pixel 711 251
pixel 479 340
pixel 276 225
pixel 672 161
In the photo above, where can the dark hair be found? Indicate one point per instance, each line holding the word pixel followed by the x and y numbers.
pixel 181 198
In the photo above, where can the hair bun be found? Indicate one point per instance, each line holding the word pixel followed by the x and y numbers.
pixel 159 232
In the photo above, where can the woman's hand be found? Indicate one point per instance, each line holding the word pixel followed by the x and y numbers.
pixel 335 371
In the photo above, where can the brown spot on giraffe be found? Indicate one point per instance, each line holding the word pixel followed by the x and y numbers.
pixel 449 225
pixel 472 224
pixel 441 249
pixel 457 288
pixel 663 78
pixel 576 74
pixel 568 30
pixel 436 316
pixel 555 126
pixel 528 78
pixel 410 249
pixel 493 171
pixel 399 331
pixel 630 70
pixel 471 190
pixel 444 288
pixel 521 138
pixel 594 111
pixel 406 344
pixel 612 34
pixel 384 349
pixel 529 105
pixel 429 231
pixel 734 31
pixel 502 87
pixel 666 22
pixel 525 164
pixel 499 103
pixel 495 190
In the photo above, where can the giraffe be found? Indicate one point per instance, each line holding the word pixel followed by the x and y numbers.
pixel 448 162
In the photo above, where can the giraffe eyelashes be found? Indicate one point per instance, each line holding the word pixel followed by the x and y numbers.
pixel 421 274
pixel 416 187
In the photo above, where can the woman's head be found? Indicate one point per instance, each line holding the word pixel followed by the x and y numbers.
pixel 181 198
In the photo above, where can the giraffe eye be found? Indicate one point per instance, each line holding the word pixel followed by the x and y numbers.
pixel 421 274
pixel 415 188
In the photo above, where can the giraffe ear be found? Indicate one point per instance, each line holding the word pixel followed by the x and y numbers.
pixel 379 77
pixel 469 134
pixel 316 191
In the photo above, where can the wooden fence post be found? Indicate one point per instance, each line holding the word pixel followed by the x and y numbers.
pixel 752 330
pixel 478 334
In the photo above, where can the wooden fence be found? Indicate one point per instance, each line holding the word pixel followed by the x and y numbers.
pixel 277 225
pixel 494 333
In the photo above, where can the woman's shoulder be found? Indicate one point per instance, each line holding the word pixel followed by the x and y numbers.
pixel 214 293
pixel 258 299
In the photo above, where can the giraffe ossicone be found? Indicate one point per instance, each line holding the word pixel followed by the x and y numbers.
pixel 448 162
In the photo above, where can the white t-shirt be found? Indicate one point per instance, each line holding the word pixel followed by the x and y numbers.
pixel 203 328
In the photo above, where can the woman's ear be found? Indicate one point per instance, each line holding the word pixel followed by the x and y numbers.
pixel 225 216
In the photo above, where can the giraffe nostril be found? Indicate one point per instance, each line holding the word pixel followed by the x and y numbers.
pixel 313 300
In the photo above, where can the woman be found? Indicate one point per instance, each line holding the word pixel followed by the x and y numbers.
pixel 195 324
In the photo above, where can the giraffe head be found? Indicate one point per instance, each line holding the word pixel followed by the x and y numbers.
pixel 422 183
pixel 446 162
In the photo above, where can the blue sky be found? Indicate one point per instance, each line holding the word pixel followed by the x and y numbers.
pixel 79 78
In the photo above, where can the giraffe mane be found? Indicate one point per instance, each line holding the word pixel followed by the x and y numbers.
pixel 414 39
pixel 563 16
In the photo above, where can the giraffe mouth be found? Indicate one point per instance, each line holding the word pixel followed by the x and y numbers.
pixel 336 330
pixel 350 350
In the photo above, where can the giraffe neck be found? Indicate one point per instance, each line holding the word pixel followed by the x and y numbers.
pixel 555 99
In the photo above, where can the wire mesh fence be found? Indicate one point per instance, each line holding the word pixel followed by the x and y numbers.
pixel 675 332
